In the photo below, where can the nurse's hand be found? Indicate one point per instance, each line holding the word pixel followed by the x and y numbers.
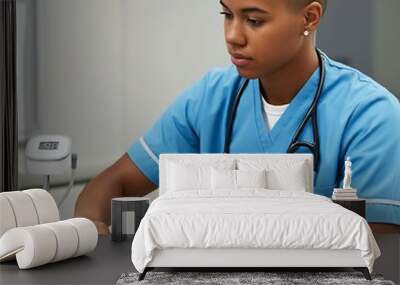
pixel 122 179
pixel 102 228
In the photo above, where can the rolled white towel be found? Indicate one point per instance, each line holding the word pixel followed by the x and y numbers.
pixel 33 246
pixel 45 205
pixel 66 238
pixel 87 234
pixel 7 218
pixel 26 208
pixel 40 244
pixel 23 208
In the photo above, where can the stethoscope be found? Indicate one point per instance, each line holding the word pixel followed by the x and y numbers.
pixel 295 144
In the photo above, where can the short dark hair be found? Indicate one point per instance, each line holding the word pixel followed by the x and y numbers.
pixel 303 3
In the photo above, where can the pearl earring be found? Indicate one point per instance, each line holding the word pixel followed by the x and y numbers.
pixel 306 33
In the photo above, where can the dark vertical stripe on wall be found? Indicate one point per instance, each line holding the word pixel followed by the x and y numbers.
pixel 8 97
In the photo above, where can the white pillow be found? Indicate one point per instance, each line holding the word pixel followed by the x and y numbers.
pixel 251 178
pixel 223 179
pixel 182 177
pixel 237 179
pixel 282 175
pixel 187 176
pixel 293 179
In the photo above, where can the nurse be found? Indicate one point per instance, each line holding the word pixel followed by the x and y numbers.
pixel 271 43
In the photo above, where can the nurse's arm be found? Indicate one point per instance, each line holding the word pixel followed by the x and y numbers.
pixel 123 178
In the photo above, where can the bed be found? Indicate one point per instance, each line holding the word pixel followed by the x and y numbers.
pixel 247 211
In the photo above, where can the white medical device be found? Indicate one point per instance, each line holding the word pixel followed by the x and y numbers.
pixel 50 155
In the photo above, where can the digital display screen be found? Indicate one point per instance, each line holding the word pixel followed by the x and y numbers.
pixel 48 145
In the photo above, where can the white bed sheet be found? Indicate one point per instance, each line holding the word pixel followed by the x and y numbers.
pixel 251 218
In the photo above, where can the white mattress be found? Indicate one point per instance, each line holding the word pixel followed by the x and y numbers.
pixel 252 218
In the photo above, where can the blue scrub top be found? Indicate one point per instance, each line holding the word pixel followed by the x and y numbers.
pixel 356 116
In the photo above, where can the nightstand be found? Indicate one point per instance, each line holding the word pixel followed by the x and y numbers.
pixel 357 206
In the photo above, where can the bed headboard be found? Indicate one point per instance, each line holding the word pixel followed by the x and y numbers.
pixel 267 159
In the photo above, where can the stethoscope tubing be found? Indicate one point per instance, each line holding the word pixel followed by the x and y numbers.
pixel 311 114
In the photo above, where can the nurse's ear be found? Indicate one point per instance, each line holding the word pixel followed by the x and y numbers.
pixel 312 14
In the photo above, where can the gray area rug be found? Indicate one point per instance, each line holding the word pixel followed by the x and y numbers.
pixel 229 278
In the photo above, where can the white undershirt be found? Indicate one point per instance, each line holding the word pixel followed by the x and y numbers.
pixel 272 113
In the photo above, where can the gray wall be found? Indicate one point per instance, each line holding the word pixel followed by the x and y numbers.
pixel 106 70
pixel 386 44
pixel 346 33
pixel 365 35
